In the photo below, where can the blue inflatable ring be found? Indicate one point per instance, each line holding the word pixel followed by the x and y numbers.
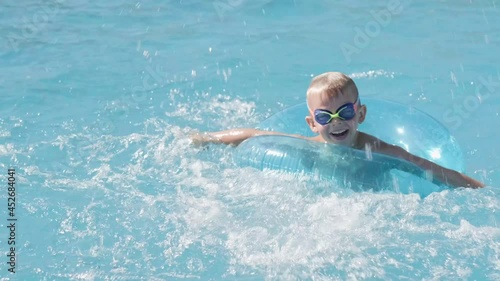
pixel 395 123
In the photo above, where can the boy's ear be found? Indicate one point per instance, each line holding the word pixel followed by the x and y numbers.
pixel 362 114
pixel 310 122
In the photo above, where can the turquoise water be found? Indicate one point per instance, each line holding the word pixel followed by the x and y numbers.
pixel 97 100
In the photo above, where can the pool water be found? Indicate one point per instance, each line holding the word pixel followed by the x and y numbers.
pixel 98 100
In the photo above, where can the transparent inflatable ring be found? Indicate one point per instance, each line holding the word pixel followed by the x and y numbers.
pixel 395 123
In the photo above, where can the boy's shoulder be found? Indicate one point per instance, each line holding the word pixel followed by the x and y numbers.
pixel 366 140
pixel 377 145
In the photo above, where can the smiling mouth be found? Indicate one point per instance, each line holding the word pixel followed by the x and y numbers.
pixel 340 134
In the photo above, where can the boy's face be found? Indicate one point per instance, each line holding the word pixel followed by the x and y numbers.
pixel 337 131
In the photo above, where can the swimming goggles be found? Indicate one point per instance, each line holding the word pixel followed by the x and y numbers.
pixel 345 112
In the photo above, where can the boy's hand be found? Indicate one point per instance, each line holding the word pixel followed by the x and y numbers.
pixel 201 139
pixel 230 137
pixel 445 175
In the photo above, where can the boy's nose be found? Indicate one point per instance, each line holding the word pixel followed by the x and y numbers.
pixel 336 121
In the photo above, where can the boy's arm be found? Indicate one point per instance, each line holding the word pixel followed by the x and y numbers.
pixel 232 137
pixel 443 174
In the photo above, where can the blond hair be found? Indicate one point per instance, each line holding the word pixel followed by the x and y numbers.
pixel 330 83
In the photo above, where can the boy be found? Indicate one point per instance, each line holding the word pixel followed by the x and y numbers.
pixel 335 112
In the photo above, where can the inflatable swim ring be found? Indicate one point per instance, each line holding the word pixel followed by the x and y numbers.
pixel 405 126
